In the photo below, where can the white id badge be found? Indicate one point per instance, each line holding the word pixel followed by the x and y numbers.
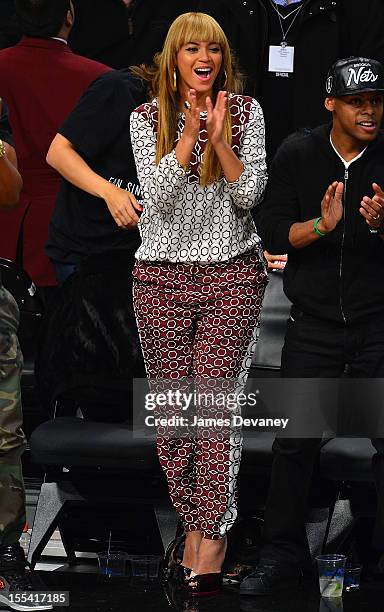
pixel 281 58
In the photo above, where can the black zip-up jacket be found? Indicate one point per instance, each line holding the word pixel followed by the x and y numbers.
pixel 340 276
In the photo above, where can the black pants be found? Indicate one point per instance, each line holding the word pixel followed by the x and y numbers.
pixel 316 348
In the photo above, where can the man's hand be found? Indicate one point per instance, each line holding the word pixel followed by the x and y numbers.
pixel 123 206
pixel 275 262
pixel 331 208
pixel 372 209
pixel 302 234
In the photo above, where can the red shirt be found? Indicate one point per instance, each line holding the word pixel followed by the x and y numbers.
pixel 41 80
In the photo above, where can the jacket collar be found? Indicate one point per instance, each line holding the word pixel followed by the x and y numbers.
pixel 322 134
pixel 44 43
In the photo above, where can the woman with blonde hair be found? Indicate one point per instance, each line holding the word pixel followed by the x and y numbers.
pixel 199 278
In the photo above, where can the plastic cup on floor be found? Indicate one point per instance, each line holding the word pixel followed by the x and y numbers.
pixel 331 574
pixel 352 574
pixel 112 563
pixel 331 604
pixel 145 566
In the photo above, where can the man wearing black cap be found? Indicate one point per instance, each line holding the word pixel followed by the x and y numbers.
pixel 324 206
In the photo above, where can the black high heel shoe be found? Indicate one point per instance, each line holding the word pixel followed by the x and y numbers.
pixel 181 574
pixel 202 585
pixel 172 569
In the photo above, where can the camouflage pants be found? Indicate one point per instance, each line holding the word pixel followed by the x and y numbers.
pixel 12 440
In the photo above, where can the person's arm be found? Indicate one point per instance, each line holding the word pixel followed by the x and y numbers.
pixel 303 234
pixel 230 163
pixel 279 220
pixel 161 184
pixel 190 135
pixel 277 223
pixel 97 121
pixel 372 209
pixel 246 175
pixel 280 208
pixel 10 179
pixel 122 204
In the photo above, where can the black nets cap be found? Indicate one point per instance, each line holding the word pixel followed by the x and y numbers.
pixel 354 75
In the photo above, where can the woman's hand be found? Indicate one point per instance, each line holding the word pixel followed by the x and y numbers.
pixel 215 118
pixel 191 130
pixel 192 118
pixel 122 205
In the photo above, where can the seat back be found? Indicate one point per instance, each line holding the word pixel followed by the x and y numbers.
pixel 20 285
pixel 89 349
pixel 274 315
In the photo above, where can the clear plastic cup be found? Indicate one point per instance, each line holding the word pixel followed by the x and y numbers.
pixel 112 562
pixel 331 574
pixel 145 566
pixel 352 574
pixel 328 604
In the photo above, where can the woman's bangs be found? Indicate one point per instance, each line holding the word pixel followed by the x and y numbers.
pixel 198 28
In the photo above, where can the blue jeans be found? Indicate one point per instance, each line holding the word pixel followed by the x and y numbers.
pixel 63 271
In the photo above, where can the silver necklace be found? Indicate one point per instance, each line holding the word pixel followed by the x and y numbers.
pixel 295 10
pixel 285 34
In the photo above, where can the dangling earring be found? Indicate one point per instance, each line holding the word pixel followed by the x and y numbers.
pixel 174 84
pixel 225 79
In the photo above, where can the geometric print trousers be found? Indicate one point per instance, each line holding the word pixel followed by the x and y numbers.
pixel 200 321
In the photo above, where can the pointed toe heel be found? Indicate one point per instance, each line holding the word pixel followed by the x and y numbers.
pixel 203 585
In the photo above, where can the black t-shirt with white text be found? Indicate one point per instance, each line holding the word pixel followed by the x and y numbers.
pixel 98 128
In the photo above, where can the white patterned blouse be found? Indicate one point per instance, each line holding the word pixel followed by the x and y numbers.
pixel 183 221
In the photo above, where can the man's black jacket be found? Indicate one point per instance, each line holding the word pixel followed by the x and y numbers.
pixel 328 30
pixel 340 277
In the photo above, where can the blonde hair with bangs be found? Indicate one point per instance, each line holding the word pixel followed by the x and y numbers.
pixel 186 28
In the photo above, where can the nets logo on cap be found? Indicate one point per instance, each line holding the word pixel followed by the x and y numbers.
pixel 354 75
pixel 361 73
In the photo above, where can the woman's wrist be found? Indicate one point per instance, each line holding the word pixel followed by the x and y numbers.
pixel 230 163
pixel 221 145
pixel 187 141
pixel 184 150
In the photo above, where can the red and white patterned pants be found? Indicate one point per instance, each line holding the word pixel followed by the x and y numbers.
pixel 200 321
